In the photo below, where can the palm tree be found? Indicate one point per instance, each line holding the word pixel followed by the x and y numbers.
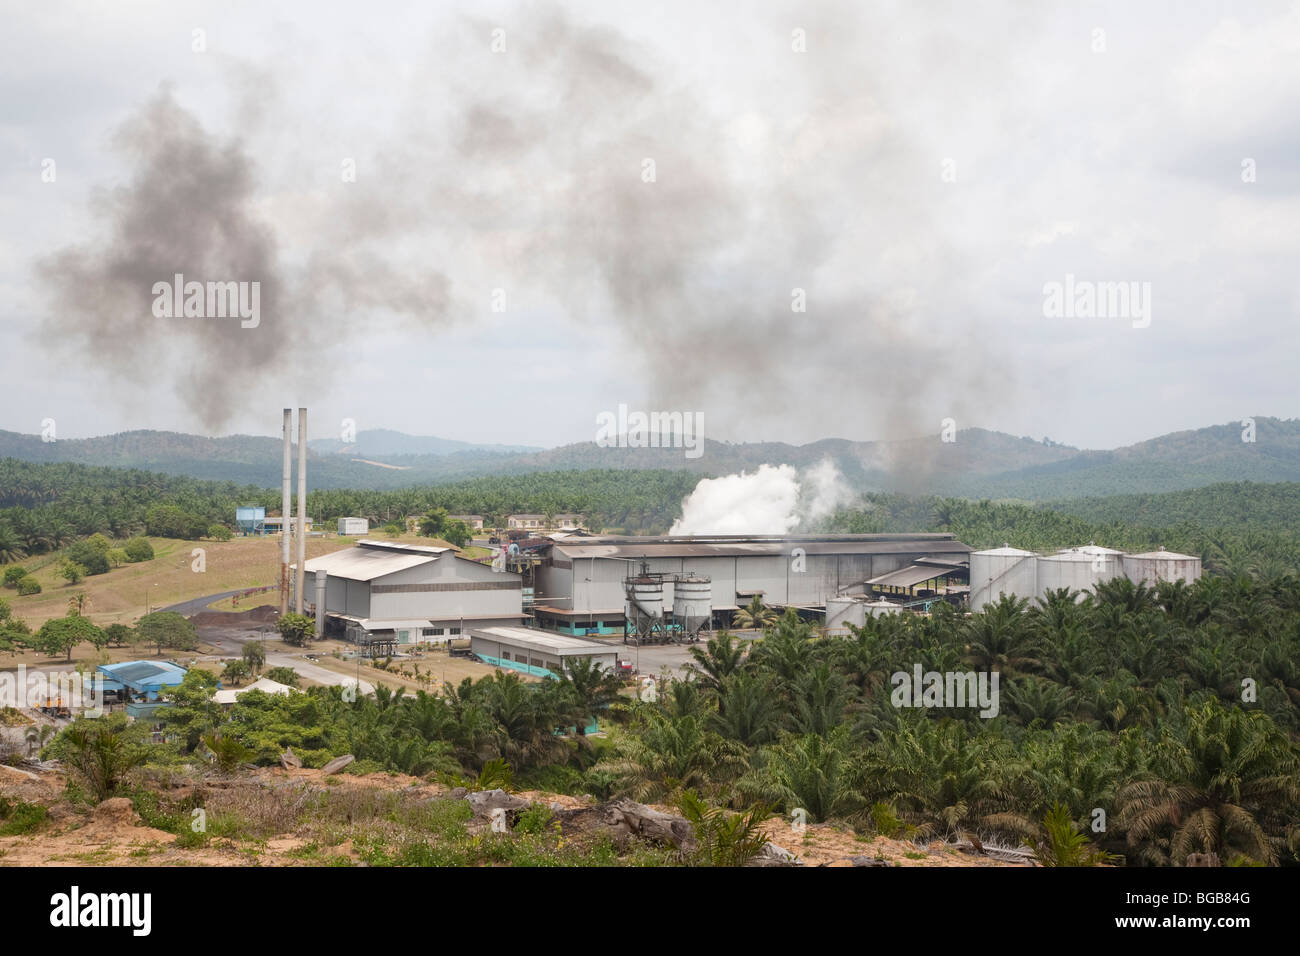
pixel 754 615
pixel 748 710
pixel 11 548
pixel 673 754
pixel 817 773
pixel 721 657
pixel 592 686
pixel 1216 781
pixel 37 735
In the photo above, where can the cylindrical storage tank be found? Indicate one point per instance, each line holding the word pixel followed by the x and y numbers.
pixel 1079 569
pixel 1155 566
pixel 646 599
pixel 844 611
pixel 692 602
pixel 881 608
pixel 999 571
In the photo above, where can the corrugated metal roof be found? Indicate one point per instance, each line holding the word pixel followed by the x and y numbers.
pixel 1006 551
pixel 536 639
pixel 907 577
pixel 631 550
pixel 1165 556
pixel 366 564
pixel 143 672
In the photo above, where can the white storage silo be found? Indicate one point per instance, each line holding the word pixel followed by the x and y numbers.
pixel 692 603
pixel 998 571
pixel 841 612
pixel 1079 569
pixel 1154 566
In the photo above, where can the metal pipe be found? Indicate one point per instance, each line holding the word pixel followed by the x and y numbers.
pixel 302 509
pixel 321 579
pixel 284 513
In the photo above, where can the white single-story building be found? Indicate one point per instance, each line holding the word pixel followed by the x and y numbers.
pixel 537 652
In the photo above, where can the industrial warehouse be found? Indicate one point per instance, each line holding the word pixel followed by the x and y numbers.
pixel 650 590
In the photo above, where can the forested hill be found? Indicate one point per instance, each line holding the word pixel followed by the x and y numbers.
pixel 1237 528
pixel 978 464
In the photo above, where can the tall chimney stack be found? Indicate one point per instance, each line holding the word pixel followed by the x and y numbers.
pixel 302 511
pixel 284 513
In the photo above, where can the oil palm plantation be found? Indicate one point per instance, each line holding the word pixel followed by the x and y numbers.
pixel 1218 786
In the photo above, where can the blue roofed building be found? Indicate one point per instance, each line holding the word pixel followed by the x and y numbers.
pixel 143 683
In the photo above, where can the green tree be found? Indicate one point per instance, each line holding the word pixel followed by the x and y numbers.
pixel 60 635
pixel 754 615
pixel 1215 784
pixel 457 534
pixel 1063 844
pixel 117 557
pixel 723 838
pixel 283 675
pixel 296 629
pixel 227 752
pixel 71 571
pixel 167 629
pixel 138 549
pixel 434 523
pixel 236 672
pixel 254 655
pixel 28 585
pixel 101 752
pixel 13 574
pixel 119 635
pixel 191 711
pixel 88 557
pixel 219 532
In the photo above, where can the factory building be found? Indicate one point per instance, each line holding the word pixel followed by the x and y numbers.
pixel 581 584
pixel 539 653
pixel 1010 571
pixel 388 594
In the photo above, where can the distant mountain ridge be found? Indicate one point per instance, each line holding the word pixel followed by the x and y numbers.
pixel 979 463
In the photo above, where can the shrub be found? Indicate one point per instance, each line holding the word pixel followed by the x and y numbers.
pixel 20 817
pixel 72 571
pixel 101 752
pixel 88 556
pixel 219 532
pixel 13 574
pixel 138 549
pixel 29 585
pixel 296 629
pixel 283 675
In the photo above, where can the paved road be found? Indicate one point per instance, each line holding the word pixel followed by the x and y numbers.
pixel 230 642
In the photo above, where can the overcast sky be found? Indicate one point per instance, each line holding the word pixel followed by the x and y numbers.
pixel 452 217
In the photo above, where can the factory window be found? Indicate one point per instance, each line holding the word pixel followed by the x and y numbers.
pixel 453 630
pixel 537 662
pixel 505 655
pixel 430 631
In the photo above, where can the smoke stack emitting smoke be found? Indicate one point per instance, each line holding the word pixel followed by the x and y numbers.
pixel 532 170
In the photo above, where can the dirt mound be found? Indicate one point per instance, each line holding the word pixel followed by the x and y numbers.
pixel 252 618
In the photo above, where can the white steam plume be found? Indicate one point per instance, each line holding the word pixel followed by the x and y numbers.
pixel 771 500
